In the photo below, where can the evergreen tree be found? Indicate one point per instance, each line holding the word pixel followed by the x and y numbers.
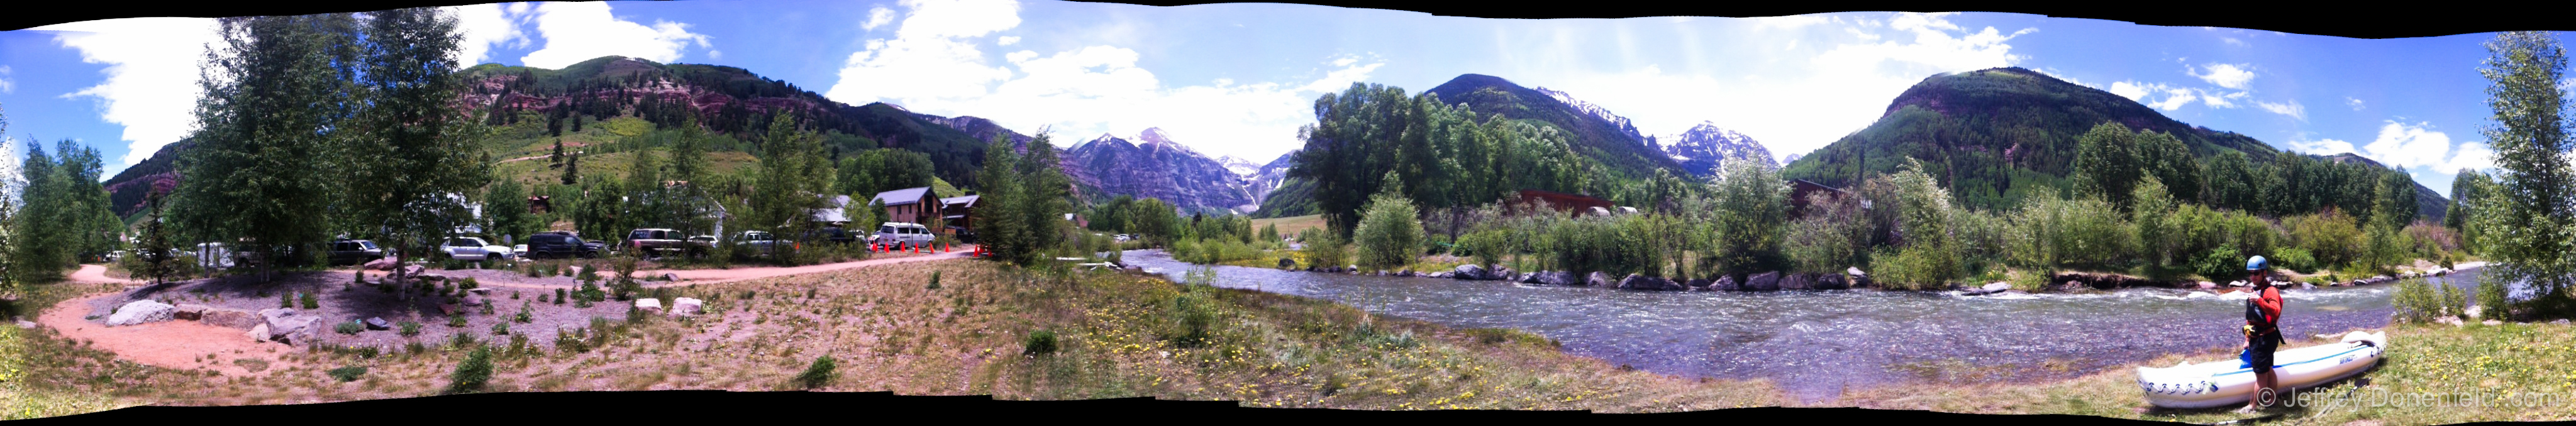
pixel 1046 196
pixel 154 247
pixel 572 169
pixel 999 223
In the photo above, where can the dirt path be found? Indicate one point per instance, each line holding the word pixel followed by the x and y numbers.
pixel 96 274
pixel 175 344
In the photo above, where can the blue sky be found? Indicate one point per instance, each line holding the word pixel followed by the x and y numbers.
pixel 1238 79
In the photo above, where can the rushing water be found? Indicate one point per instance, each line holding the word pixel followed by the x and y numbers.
pixel 1818 343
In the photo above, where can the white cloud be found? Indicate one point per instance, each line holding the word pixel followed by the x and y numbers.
pixel 2233 41
pixel 576 32
pixel 2290 108
pixel 1809 100
pixel 2322 147
pixel 2174 99
pixel 2135 91
pixel 6 86
pixel 878 17
pixel 715 54
pixel 1008 40
pixel 932 66
pixel 2219 101
pixel 2226 75
pixel 2471 156
pixel 2355 102
pixel 151 86
pixel 2403 146
pixel 484 26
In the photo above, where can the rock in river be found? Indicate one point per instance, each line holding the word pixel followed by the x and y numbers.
pixel 1640 282
pixel 1725 283
pixel 1598 279
pixel 1469 272
pixel 1766 281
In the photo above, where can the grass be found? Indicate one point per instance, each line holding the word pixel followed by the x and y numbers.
pixel 1291 225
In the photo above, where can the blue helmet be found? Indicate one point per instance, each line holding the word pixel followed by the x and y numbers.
pixel 2255 264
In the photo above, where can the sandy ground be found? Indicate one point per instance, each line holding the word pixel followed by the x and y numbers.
pixel 183 344
pixel 174 344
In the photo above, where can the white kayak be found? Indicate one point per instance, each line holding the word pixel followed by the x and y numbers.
pixel 2223 383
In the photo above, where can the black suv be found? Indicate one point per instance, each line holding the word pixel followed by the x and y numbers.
pixel 832 234
pixel 350 252
pixel 561 244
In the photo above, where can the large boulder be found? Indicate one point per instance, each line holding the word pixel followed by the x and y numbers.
pixel 687 306
pixel 649 305
pixel 473 300
pixel 1598 279
pixel 1725 283
pixel 258 333
pixel 190 311
pixel 382 264
pixel 1696 284
pixel 1766 281
pixel 1797 281
pixel 1858 278
pixel 1989 288
pixel 1640 282
pixel 1831 282
pixel 232 318
pixel 286 325
pixel 1500 272
pixel 1469 272
pixel 141 311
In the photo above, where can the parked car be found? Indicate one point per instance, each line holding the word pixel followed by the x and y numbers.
pixel 469 249
pixel 758 243
pixel 656 241
pixel 561 245
pixel 351 252
pixel 703 242
pixel 832 234
pixel 902 235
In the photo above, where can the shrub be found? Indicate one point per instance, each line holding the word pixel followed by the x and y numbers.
pixel 2414 301
pixel 559 295
pixel 471 374
pixel 349 373
pixel 2491 295
pixel 456 321
pixel 352 327
pixel 819 374
pixel 934 283
pixel 1387 234
pixel 1327 249
pixel 1486 245
pixel 500 329
pixel 2219 264
pixel 2297 259
pixel 1193 315
pixel 285 301
pixel 1040 342
pixel 409 328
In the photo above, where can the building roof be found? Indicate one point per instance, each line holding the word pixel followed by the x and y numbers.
pixel 833 210
pixel 968 201
pixel 901 196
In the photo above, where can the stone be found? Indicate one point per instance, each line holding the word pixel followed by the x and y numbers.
pixel 1697 283
pixel 1858 279
pixel 1499 272
pixel 649 305
pixel 1469 272
pixel 2353 283
pixel 473 300
pixel 1287 263
pixel 289 325
pixel 1724 283
pixel 1441 275
pixel 141 311
pixel 189 311
pixel 2072 284
pixel 487 291
pixel 1598 279
pixel 1797 281
pixel 1641 282
pixel 234 318
pixel 687 306
pixel 1559 278
pixel 1767 281
pixel 670 277
pixel 383 264
pixel 1989 288
pixel 2561 321
pixel 2307 286
pixel 378 323
pixel 258 333
pixel 417 270
pixel 1831 282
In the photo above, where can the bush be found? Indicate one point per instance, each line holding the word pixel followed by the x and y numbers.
pixel 409 328
pixel 1388 235
pixel 456 321
pixel 2491 295
pixel 1193 315
pixel 500 329
pixel 285 301
pixel 819 374
pixel 2297 259
pixel 352 327
pixel 934 281
pixel 349 373
pixel 2414 301
pixel 1040 342
pixel 2220 264
pixel 1327 249
pixel 309 301
pixel 559 295
pixel 471 374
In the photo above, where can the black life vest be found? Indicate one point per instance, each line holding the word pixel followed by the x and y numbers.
pixel 2254 315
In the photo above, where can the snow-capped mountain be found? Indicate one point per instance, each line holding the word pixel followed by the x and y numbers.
pixel 1597 111
pixel 1705 148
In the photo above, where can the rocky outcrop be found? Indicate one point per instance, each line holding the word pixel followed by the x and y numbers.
pixel 1725 283
pixel 1767 281
pixel 140 312
pixel 1470 272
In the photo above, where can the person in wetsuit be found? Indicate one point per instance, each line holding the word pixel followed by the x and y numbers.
pixel 2262 333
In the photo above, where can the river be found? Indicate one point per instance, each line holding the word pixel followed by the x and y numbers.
pixel 1815 344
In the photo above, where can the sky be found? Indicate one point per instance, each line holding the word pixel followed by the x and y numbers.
pixel 1239 79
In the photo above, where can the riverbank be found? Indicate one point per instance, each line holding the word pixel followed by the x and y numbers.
pixel 1118 335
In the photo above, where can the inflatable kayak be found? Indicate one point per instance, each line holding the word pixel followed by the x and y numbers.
pixel 2230 382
